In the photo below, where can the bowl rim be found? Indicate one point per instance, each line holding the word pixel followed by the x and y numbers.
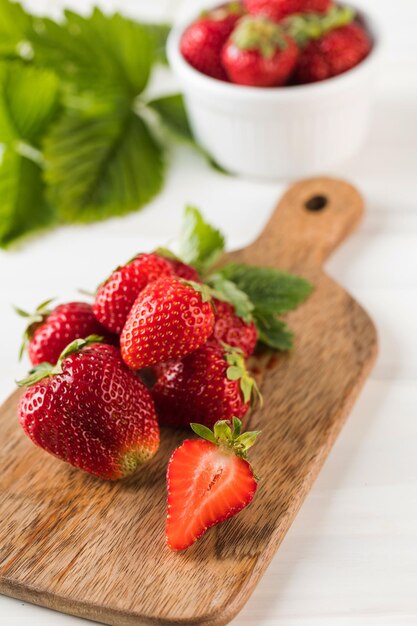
pixel 289 92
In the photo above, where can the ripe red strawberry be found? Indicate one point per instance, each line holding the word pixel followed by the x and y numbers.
pixel 202 42
pixel 209 384
pixel 208 482
pixel 277 9
pixel 91 411
pixel 169 319
pixel 229 328
pixel 182 270
pixel 116 296
pixel 49 331
pixel 259 54
pixel 336 52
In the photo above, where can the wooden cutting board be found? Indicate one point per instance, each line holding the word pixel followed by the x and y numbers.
pixel 96 549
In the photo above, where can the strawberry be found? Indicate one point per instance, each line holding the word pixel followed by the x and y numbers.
pixel 182 270
pixel 209 384
pixel 259 53
pixel 91 411
pixel 277 9
pixel 337 51
pixel 50 330
pixel 116 296
pixel 203 40
pixel 232 330
pixel 208 481
pixel 169 319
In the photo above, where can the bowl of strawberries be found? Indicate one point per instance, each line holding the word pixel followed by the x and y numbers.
pixel 277 88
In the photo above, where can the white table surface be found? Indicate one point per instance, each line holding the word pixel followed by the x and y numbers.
pixel 350 558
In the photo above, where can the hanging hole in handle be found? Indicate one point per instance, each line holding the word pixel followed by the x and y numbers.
pixel 316 203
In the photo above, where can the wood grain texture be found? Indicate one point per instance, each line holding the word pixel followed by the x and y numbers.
pixel 95 549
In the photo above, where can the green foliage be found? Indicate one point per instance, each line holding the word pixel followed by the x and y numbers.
pixel 228 291
pixel 101 165
pixel 271 291
pixel 25 111
pixel 172 112
pixel 71 103
pixel 200 244
pixel 274 333
pixel 14 26
pixel 102 53
pixel 23 205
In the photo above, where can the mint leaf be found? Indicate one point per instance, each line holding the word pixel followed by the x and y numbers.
pixel 23 206
pixel 271 291
pixel 29 101
pixel 227 291
pixel 172 112
pixel 100 54
pixel 200 244
pixel 101 165
pixel 274 332
pixel 14 26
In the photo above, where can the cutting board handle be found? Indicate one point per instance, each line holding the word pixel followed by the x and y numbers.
pixel 313 217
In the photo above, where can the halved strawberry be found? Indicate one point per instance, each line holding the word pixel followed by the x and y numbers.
pixel 208 481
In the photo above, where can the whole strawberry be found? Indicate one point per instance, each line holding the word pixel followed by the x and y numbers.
pixel 277 9
pixel 336 52
pixel 49 331
pixel 259 53
pixel 116 296
pixel 209 480
pixel 202 42
pixel 210 384
pixel 91 411
pixel 170 318
pixel 182 270
pixel 229 328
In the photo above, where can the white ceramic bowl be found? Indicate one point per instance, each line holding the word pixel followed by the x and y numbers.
pixel 283 132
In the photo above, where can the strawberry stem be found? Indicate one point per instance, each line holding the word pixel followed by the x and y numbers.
pixel 260 34
pixel 237 371
pixel 227 435
pixel 305 27
pixel 45 370
pixel 33 321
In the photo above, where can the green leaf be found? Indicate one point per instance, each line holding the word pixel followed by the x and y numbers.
pixel 200 244
pixel 271 291
pixel 227 291
pixel 23 206
pixel 100 53
pixel 36 374
pixel 103 165
pixel 204 432
pixel 14 26
pixel 237 426
pixel 173 115
pixel 29 101
pixel 172 112
pixel 274 332
pixel 159 33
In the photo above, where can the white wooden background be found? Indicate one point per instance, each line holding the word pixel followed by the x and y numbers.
pixel 350 559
